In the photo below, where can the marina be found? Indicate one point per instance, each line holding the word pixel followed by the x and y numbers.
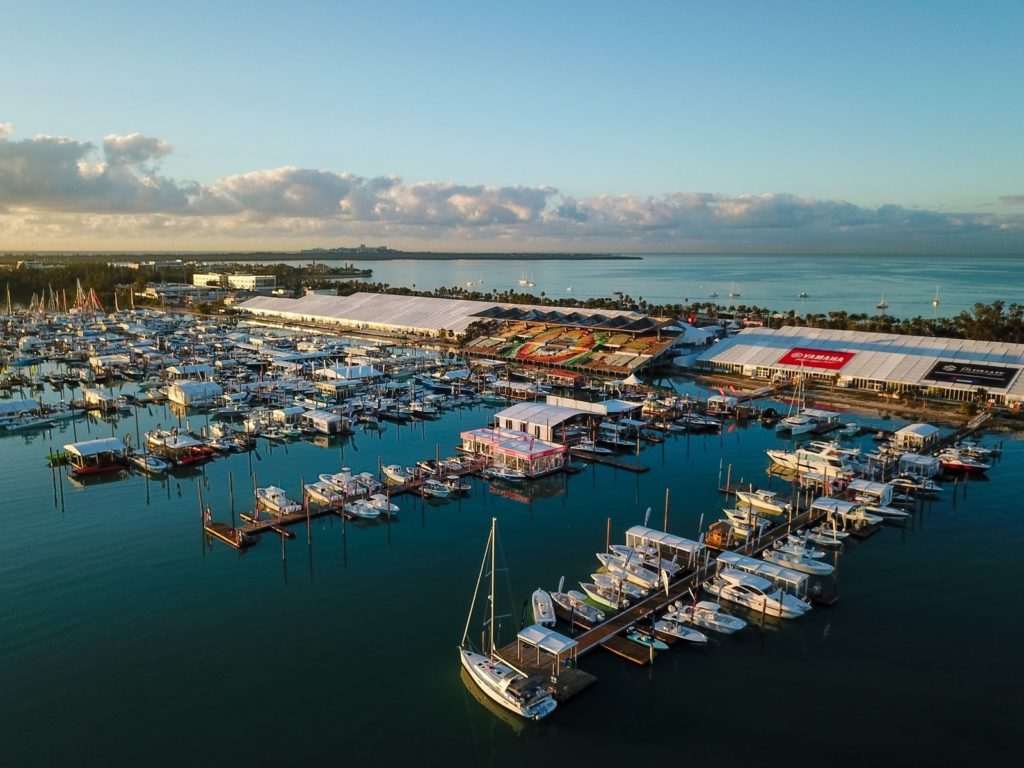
pixel 342 485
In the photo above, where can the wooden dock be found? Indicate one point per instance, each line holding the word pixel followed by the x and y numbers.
pixel 610 460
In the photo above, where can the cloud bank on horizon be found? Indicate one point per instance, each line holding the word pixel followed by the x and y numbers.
pixel 57 192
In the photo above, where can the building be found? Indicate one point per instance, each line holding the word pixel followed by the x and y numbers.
pixel 190 392
pixel 516 450
pixel 255 283
pixel 952 369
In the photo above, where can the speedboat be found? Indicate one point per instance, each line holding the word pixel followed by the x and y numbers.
pixel 589 446
pixel 543 608
pixel 151 464
pixel 382 504
pixel 680 631
pixel 435 489
pixel 648 558
pixel 456 485
pixel 325 494
pixel 362 508
pixel 757 594
pixel 501 472
pixel 398 474
pixel 886 512
pixel 643 638
pixel 634 572
pixel 618 584
pixel 342 481
pixel 796 544
pixel 705 614
pixel 826 536
pixel 276 500
pixel 607 597
pixel 576 603
pixel 798 562
pixel 958 461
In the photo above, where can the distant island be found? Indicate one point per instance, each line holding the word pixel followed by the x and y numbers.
pixel 383 253
pixel 360 253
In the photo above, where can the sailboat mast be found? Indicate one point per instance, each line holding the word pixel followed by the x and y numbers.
pixel 490 627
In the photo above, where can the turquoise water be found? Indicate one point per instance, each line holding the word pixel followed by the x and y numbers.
pixel 127 638
pixel 852 283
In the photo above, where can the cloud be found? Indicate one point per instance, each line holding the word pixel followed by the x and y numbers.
pixel 54 188
pixel 133 149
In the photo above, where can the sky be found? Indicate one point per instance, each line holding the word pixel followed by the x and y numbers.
pixel 579 126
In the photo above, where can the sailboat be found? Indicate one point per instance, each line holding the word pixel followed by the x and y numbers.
pixel 882 304
pixel 733 293
pixel 935 301
pixel 525 695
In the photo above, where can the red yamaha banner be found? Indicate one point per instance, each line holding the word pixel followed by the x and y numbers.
pixel 816 358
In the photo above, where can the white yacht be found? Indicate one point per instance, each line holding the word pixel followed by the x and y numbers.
pixel 765 502
pixel 830 464
pixel 757 594
pixel 524 695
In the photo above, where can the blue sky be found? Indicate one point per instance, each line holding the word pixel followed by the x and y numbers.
pixel 880 110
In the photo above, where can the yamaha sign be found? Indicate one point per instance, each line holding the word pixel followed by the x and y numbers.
pixel 973 374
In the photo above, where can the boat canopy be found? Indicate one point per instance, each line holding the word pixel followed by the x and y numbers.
pixel 546 639
pixel 787 578
pixel 640 534
pixel 96 447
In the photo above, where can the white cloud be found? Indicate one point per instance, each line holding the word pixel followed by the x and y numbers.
pixel 59 188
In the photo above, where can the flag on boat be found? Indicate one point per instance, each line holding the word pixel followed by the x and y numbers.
pixel 732 389
pixel 721 392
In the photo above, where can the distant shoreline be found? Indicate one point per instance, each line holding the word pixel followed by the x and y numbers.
pixel 349 256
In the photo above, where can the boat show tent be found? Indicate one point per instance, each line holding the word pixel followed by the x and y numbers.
pixel 388 312
pixel 954 368
pixel 544 639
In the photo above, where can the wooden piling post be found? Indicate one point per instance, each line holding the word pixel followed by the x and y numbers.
pixel 666 511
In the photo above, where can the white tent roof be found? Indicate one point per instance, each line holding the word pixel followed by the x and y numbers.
pixel 546 639
pixel 381 310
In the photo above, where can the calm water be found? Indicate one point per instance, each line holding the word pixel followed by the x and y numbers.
pixel 127 639
pixel 852 283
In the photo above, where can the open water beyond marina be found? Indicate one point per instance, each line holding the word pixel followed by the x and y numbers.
pixel 129 639
pixel 854 284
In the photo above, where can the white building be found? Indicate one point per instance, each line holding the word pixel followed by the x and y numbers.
pixel 254 283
